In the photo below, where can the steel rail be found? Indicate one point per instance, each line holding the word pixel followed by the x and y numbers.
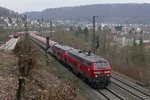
pixel 132 87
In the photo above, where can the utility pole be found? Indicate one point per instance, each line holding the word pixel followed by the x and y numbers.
pixel 39 25
pixel 26 28
pixel 46 49
pixel 51 26
pixel 93 38
pixel 42 26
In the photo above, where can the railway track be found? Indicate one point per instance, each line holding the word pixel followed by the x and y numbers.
pixel 134 91
pixel 109 94
pixel 10 45
pixel 6 48
pixel 5 45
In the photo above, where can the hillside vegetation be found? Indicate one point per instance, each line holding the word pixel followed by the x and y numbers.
pixel 4 12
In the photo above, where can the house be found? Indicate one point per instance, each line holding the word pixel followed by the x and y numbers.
pixel 123 40
pixel 127 40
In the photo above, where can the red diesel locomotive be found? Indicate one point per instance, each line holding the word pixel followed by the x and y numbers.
pixel 95 69
pixel 17 34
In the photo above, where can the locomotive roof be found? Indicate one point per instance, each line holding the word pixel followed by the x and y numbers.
pixel 63 47
pixel 51 42
pixel 84 55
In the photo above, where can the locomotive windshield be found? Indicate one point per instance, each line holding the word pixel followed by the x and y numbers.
pixel 101 65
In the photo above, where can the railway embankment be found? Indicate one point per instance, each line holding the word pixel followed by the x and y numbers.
pixel 39 83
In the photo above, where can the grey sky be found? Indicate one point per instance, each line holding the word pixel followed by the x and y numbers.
pixel 38 5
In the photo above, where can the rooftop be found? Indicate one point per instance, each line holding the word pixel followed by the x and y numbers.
pixel 85 55
pixel 63 47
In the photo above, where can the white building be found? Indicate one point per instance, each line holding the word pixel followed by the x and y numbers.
pixel 127 40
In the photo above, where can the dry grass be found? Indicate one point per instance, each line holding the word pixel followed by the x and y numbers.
pixel 69 39
pixel 45 86
pixel 8 77
pixel 7 60
pixel 4 38
pixel 134 72
pixel 40 84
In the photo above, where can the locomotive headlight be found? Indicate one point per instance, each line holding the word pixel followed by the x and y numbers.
pixel 106 72
pixel 95 75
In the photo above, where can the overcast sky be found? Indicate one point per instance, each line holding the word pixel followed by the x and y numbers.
pixel 39 5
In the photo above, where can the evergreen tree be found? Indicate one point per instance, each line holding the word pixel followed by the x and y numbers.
pixel 79 30
pixel 134 43
pixel 10 20
pixel 141 42
pixel 130 32
pixel 142 51
pixel 138 54
pixel 118 28
pixel 141 32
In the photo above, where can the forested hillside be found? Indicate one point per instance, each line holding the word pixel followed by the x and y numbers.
pixel 7 13
pixel 111 13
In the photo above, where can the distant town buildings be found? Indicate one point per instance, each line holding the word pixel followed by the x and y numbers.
pixel 123 34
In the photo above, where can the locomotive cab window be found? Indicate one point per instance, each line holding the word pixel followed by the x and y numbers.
pixel 101 65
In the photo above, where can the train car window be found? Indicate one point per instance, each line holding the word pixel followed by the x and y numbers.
pixel 101 65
